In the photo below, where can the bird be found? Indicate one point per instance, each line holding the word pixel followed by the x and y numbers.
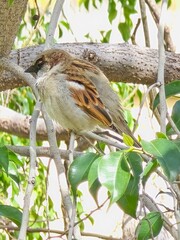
pixel 76 94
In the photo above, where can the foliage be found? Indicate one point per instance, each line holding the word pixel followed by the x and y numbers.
pixel 122 173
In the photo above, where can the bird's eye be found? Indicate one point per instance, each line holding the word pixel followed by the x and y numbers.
pixel 39 63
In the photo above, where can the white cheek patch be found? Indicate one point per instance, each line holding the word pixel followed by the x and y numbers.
pixel 76 85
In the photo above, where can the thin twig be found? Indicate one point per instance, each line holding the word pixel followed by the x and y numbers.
pixel 63 184
pixel 143 101
pixel 173 125
pixel 133 36
pixel 156 15
pixel 72 228
pixel 105 140
pixel 144 21
pixel 53 23
pixel 41 152
pixel 32 173
pixel 161 63
pixel 71 147
pixel 34 230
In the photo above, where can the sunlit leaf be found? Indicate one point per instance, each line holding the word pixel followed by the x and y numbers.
pixel 167 154
pixel 161 135
pixel 112 10
pixel 66 25
pixel 114 174
pixel 11 213
pixel 4 159
pixel 128 140
pixel 125 30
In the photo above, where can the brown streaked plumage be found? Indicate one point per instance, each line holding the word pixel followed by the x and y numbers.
pixel 76 93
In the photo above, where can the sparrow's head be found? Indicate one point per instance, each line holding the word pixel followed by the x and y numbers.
pixel 47 60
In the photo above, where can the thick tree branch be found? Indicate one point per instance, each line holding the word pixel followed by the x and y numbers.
pixel 18 124
pixel 120 62
pixel 11 16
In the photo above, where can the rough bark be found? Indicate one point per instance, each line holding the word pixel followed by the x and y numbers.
pixel 18 124
pixel 10 18
pixel 120 62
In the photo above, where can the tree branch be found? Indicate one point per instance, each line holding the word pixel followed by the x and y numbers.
pixel 161 63
pixel 11 16
pixel 120 62
pixel 32 173
pixel 53 24
pixel 156 15
pixel 45 230
pixel 41 152
pixel 18 124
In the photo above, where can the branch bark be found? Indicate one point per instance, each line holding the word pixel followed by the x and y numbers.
pixel 18 124
pixel 119 62
pixel 11 16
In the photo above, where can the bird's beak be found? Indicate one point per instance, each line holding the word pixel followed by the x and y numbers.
pixel 31 69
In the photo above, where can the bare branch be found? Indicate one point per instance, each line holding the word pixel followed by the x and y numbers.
pixel 45 230
pixel 41 152
pixel 32 173
pixel 156 14
pixel 18 124
pixel 160 79
pixel 120 62
pixel 63 185
pixel 11 16
pixel 144 21
pixel 53 24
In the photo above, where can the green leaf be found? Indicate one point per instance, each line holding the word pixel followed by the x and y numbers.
pixel 125 30
pixel 148 170
pixel 85 2
pixel 161 135
pixel 112 10
pixel 4 159
pixel 93 180
pixel 11 213
pixel 13 172
pixel 10 2
pixel 171 89
pixel 150 225
pixel 105 37
pixel 66 25
pixel 135 163
pixel 129 201
pixel 60 31
pixel 167 154
pixel 175 117
pixel 114 174
pixel 13 158
pixel 79 169
pixel 128 140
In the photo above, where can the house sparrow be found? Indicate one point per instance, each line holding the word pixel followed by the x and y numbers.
pixel 77 94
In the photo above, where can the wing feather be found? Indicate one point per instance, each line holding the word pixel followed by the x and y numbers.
pixel 85 93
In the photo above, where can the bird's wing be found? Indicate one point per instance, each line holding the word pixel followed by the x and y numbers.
pixel 85 93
